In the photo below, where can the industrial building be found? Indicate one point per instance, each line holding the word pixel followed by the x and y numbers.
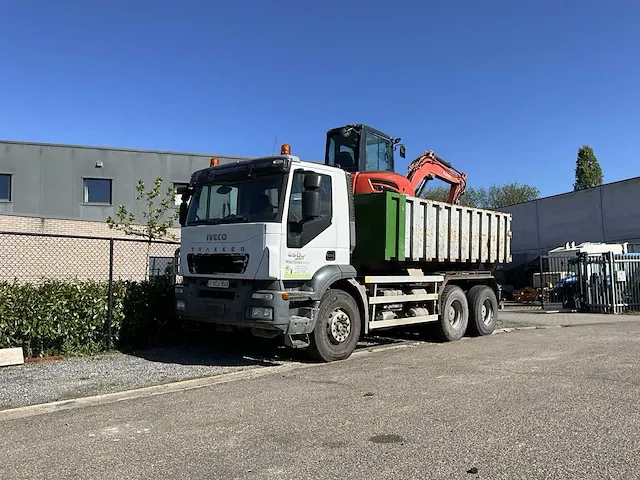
pixel 608 213
pixel 72 187
pixel 62 192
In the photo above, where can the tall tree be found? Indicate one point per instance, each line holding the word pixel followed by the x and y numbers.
pixel 588 170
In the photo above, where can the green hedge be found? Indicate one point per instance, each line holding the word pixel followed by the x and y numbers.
pixel 69 318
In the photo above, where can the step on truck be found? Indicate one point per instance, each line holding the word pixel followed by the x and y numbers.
pixel 283 247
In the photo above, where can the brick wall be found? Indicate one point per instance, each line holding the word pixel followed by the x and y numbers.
pixel 33 258
pixel 59 226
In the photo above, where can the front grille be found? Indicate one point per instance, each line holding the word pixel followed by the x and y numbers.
pixel 212 263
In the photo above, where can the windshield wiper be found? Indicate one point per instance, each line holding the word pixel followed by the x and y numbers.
pixel 217 221
pixel 235 218
pixel 227 219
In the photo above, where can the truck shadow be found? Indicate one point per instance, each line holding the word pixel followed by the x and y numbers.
pixel 235 349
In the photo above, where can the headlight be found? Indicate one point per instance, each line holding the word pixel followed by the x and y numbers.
pixel 178 288
pixel 181 305
pixel 261 313
pixel 262 296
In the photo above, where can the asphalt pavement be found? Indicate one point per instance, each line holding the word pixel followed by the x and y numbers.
pixel 540 403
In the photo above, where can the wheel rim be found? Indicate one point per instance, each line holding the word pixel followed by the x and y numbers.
pixel 339 326
pixel 455 314
pixel 487 312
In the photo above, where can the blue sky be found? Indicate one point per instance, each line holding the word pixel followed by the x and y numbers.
pixel 504 90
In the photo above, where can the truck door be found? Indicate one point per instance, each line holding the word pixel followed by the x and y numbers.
pixel 309 244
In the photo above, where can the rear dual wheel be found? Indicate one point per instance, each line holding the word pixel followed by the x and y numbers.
pixel 475 313
pixel 483 310
pixel 454 314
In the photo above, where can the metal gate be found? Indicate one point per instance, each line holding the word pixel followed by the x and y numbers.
pixel 558 282
pixel 626 282
pixel 598 283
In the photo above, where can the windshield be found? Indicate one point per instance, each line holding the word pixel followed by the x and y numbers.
pixel 245 200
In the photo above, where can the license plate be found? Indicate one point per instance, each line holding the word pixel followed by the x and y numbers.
pixel 218 284
pixel 213 309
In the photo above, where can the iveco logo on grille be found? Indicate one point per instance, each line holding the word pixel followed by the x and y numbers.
pixel 216 237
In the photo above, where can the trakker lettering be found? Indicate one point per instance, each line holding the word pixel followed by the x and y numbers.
pixel 216 249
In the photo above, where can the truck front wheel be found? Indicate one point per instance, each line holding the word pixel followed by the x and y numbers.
pixel 454 314
pixel 337 328
pixel 483 307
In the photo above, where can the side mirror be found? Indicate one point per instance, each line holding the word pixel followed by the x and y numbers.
pixel 311 196
pixel 182 218
pixel 312 181
pixel 310 204
pixel 403 151
pixel 183 190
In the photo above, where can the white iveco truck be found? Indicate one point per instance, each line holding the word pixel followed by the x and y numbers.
pixel 283 247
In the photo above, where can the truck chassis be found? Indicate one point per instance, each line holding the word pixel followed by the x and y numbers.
pixel 459 303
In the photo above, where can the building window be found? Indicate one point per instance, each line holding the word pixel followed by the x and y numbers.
pixel 5 187
pixel 97 190
pixel 178 198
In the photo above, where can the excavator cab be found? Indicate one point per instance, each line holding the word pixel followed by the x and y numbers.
pixel 359 148
pixel 367 154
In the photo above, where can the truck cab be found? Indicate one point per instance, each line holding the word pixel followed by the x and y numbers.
pixel 260 239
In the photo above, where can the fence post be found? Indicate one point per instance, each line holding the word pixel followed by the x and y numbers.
pixel 541 284
pixel 581 268
pixel 110 299
pixel 612 282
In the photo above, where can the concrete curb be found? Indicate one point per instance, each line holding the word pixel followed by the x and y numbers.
pixel 179 386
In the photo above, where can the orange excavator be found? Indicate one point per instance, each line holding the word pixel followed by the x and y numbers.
pixel 367 154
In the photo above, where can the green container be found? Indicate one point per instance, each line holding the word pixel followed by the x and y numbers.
pixel 394 227
pixel 380 226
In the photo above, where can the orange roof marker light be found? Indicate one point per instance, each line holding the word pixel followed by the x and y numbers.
pixel 285 149
pixel 214 162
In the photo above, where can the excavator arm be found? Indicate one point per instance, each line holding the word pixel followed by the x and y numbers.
pixel 429 166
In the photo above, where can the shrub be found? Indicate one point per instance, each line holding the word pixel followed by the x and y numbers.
pixel 70 318
pixel 148 319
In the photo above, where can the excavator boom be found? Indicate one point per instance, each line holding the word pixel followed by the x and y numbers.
pixel 429 166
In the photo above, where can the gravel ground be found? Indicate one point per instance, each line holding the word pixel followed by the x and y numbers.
pixel 52 380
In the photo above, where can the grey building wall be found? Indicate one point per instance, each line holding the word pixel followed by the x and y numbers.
pixel 47 180
pixel 608 213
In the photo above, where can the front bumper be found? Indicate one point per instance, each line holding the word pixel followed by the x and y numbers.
pixel 256 305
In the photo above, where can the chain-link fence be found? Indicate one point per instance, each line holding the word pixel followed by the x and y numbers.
pixel 30 258
pixel 34 258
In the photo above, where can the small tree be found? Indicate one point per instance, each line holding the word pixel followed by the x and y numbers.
pixel 439 194
pixel 588 170
pixel 472 197
pixel 158 216
pixel 496 196
pixel 499 196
